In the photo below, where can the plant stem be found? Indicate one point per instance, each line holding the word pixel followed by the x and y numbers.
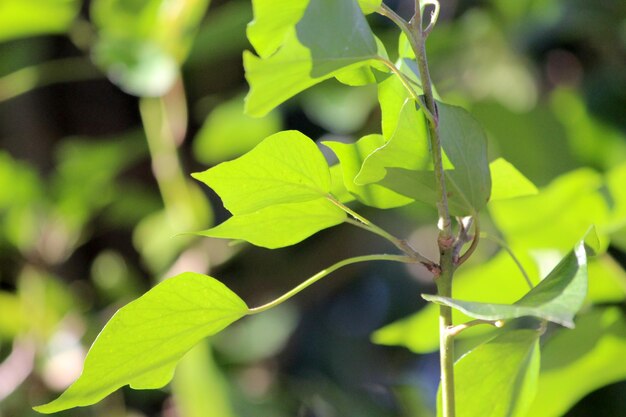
pixel 40 75
pixel 180 206
pixel 454 330
pixel 401 244
pixel 407 85
pixel 312 280
pixel 417 39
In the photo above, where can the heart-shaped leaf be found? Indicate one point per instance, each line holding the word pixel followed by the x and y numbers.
pixel 285 168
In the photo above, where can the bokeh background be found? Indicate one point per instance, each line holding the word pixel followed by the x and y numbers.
pixel 107 106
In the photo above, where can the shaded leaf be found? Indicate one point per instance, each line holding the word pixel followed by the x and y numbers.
pixel 407 148
pixel 337 108
pixel 499 378
pixel 351 156
pixel 285 168
pixel 469 183
pixel 557 298
pixel 144 340
pixel 336 34
pixel 577 362
pixel 280 225
pixel 331 35
pixel 508 182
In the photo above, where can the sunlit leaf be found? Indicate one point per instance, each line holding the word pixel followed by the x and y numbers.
pixel 12 317
pixel 330 36
pixel 280 225
pixel 615 180
pixel 557 298
pixel 36 17
pixel 557 216
pixel 577 362
pixel 338 188
pixel 508 182
pixel 498 378
pixel 273 20
pixel 369 6
pixel 607 280
pixel 351 156
pixel 228 133
pixel 142 343
pixel 285 168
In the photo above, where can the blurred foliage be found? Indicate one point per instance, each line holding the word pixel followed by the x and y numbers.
pixel 95 193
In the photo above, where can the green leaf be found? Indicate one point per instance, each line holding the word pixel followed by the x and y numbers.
pixel 273 20
pixel 370 6
pixel 607 280
pixel 285 168
pixel 20 19
pixel 228 133
pixel 371 73
pixel 337 35
pixel 577 362
pixel 407 148
pixel 351 157
pixel 338 188
pixel 144 340
pixel 332 35
pixel 499 378
pixel 280 225
pixel 469 183
pixel 508 182
pixel 557 216
pixel 557 298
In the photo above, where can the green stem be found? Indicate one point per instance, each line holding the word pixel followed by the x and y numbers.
pixel 168 172
pixel 455 330
pixel 417 39
pixel 58 71
pixel 401 244
pixel 325 272
pixel 446 339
